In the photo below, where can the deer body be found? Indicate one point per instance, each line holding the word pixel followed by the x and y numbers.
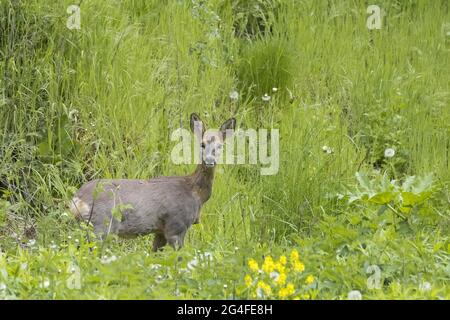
pixel 165 206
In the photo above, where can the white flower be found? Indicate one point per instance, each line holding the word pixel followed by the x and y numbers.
pixel 274 275
pixel 202 257
pixel 266 97
pixel 259 293
pixel 45 284
pixel 193 263
pixel 24 266
pixel 234 95
pixel 225 286
pixel 327 149
pixel 424 287
pixel 389 153
pixel 274 89
pixel 31 242
pixel 73 114
pixel 106 259
pixel 354 295
pixel 155 266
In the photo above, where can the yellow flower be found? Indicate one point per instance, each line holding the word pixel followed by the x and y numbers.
pixel 305 296
pixel 290 288
pixel 253 265
pixel 248 280
pixel 281 279
pixel 268 265
pixel 299 266
pixel 282 293
pixel 294 256
pixel 287 291
pixel 309 279
pixel 264 287
pixel 279 267
pixel 282 260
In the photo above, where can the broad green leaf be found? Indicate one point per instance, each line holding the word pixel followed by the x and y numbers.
pixel 382 198
pixel 364 181
pixel 423 184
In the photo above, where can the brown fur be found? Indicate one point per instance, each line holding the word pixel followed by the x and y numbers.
pixel 165 206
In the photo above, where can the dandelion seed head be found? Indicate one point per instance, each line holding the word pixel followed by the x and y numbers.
pixel 234 95
pixel 389 153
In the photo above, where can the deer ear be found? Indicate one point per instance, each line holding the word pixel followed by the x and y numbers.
pixel 196 123
pixel 230 124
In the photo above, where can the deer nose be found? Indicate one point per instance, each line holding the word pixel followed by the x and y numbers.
pixel 210 161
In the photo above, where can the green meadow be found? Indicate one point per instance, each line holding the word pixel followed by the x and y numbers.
pixel 360 205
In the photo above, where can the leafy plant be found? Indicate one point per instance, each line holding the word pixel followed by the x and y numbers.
pixel 400 198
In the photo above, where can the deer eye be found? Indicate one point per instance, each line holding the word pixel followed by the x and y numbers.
pixel 203 145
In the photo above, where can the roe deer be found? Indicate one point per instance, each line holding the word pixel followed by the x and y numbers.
pixel 165 206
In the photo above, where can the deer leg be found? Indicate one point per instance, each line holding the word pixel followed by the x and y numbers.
pixel 159 242
pixel 176 240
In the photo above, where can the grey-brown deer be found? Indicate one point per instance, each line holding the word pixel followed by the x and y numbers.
pixel 165 206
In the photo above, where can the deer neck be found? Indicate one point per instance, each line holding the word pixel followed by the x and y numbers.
pixel 202 180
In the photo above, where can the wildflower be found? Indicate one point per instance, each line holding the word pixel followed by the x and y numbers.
pixel 281 279
pixel 107 260
pixel 294 255
pixel 31 242
pixel 309 279
pixel 274 275
pixel 424 287
pixel 274 89
pixel 268 265
pixel 73 114
pixel 155 266
pixel 248 280
pixel 327 149
pixel 253 265
pixel 282 260
pixel 264 287
pixel 299 266
pixel 234 95
pixel 282 293
pixel 201 258
pixel 287 291
pixel 44 284
pixel 305 296
pixel 354 295
pixel 290 288
pixel 193 263
pixel 280 267
pixel 389 153
pixel 266 97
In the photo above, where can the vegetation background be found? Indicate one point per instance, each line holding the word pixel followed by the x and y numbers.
pixel 102 101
